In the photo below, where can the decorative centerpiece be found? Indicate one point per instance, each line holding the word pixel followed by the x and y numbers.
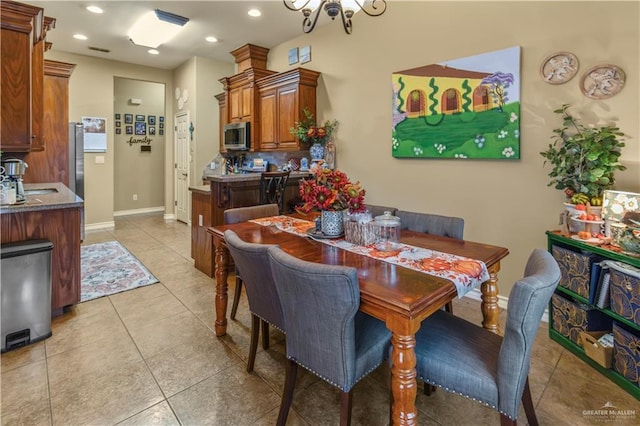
pixel 331 192
pixel 308 131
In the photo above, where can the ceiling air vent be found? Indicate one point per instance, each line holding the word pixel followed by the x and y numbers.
pixel 99 49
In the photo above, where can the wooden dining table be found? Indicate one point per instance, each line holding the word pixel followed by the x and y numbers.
pixel 399 296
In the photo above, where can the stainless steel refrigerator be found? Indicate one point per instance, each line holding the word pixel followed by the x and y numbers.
pixel 76 159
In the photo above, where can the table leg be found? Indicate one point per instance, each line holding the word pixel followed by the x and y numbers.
pixel 222 272
pixel 403 380
pixel 489 303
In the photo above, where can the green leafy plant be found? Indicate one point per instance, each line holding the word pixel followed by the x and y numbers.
pixel 584 158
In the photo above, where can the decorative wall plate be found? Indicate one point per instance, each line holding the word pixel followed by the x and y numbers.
pixel 602 81
pixel 559 67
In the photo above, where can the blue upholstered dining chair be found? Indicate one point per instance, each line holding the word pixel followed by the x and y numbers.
pixel 446 226
pixel 377 210
pixel 252 260
pixel 468 360
pixel 326 333
pixel 243 214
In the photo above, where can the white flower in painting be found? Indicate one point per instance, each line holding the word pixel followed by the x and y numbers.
pixel 439 147
pixel 460 156
pixel 503 134
pixel 394 143
pixel 417 150
pixel 513 117
pixel 516 133
pixel 508 152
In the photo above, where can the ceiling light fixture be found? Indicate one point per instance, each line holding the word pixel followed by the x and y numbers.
pixel 346 9
pixel 155 28
pixel 254 12
pixel 153 52
pixel 80 37
pixel 211 39
pixel 95 9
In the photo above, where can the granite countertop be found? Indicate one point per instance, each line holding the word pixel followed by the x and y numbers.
pixel 248 177
pixel 203 189
pixel 61 198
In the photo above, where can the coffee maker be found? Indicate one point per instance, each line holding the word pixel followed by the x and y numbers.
pixel 12 170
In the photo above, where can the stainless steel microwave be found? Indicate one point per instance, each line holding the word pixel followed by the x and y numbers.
pixel 236 136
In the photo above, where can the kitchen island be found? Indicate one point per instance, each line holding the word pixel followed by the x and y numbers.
pixel 208 203
pixel 51 212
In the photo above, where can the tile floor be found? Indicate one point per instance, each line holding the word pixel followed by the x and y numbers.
pixel 149 356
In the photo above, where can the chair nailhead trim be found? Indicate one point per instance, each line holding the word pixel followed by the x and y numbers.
pixel 271 324
pixel 466 396
pixel 329 381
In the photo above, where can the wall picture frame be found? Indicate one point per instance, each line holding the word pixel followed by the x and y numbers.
pixel 161 132
pixel 140 117
pixel 161 119
pixel 151 119
pixel 602 81
pixel 128 118
pixel 118 123
pixel 152 131
pixel 141 128
pixel 293 56
pixel 118 130
pixel 559 67
pixel 117 116
pixel 305 54
pixel 161 125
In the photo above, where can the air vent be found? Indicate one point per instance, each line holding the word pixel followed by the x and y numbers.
pixel 99 49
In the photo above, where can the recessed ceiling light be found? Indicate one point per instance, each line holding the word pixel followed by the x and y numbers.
pixel 254 12
pixel 94 9
pixel 80 37
pixel 153 51
pixel 211 39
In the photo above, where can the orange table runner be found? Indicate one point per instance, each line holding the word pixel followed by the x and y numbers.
pixel 465 273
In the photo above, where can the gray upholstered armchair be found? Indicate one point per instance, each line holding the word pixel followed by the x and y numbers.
pixel 466 359
pixel 252 260
pixel 243 214
pixel 326 333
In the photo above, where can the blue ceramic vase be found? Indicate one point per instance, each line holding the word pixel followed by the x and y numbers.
pixel 317 152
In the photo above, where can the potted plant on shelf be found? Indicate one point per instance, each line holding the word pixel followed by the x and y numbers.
pixel 308 131
pixel 584 159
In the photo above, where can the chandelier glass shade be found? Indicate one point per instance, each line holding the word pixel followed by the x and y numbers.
pixel 311 10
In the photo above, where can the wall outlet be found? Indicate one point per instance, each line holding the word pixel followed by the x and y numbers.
pixel 99 159
pixel 135 197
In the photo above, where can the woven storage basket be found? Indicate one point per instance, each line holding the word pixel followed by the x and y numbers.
pixel 361 234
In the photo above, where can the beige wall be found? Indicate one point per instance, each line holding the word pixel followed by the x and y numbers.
pixel 91 91
pixel 148 165
pixel 506 203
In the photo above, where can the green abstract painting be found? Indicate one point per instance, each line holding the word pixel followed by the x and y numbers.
pixel 463 108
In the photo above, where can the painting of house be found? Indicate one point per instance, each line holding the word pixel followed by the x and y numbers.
pixel 465 108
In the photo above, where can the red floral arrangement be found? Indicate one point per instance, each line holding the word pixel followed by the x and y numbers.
pixel 331 190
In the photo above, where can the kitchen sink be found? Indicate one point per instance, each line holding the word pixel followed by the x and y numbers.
pixel 41 191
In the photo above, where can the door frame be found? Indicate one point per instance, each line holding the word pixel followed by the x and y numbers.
pixel 187 151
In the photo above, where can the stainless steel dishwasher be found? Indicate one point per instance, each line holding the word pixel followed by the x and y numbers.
pixel 25 290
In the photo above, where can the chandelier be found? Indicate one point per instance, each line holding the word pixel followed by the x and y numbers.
pixel 345 8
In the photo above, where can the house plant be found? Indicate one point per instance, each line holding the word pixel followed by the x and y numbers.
pixel 308 131
pixel 584 158
pixel 331 192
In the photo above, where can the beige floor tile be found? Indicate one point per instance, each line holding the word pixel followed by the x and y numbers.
pixel 160 415
pixel 231 397
pixel 270 419
pixel 107 398
pixel 138 295
pixel 99 236
pixel 22 356
pixel 179 367
pixel 69 368
pixel 149 311
pixel 36 413
pixel 180 329
pixel 24 386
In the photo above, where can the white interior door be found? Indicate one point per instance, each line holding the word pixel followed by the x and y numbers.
pixel 182 167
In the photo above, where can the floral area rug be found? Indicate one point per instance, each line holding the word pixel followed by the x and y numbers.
pixel 109 268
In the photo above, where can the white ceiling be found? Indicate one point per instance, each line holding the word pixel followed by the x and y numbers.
pixel 226 20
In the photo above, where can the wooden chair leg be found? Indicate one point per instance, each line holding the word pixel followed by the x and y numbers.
pixel 449 307
pixel 429 389
pixel 527 402
pixel 253 348
pixel 506 421
pixel 265 335
pixel 236 296
pixel 345 408
pixel 287 393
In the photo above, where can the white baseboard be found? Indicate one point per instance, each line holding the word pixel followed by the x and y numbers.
pixel 475 294
pixel 169 216
pixel 138 211
pixel 99 226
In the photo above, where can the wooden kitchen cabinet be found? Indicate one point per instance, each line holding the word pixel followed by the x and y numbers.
pixel 22 47
pixel 201 244
pixel 282 98
pixel 52 163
